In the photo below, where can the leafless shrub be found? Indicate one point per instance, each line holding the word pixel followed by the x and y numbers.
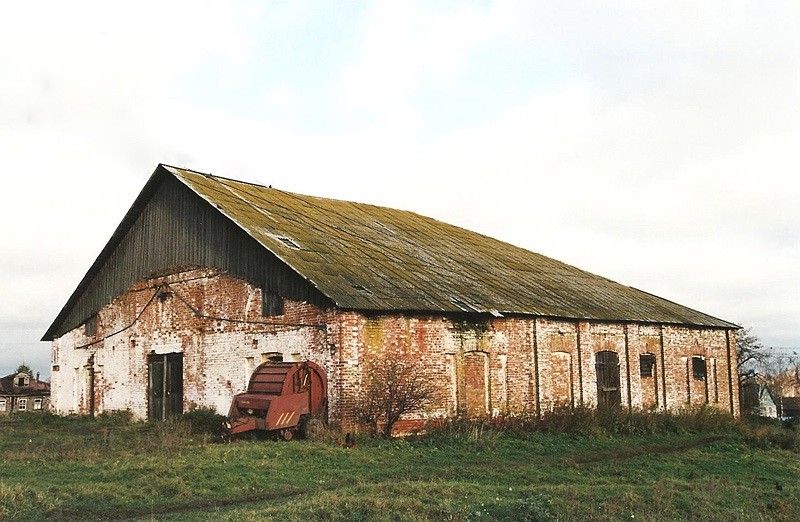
pixel 392 386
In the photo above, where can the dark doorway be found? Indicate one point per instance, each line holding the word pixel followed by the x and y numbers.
pixel 608 389
pixel 165 385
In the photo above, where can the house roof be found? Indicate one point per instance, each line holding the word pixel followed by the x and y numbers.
pixel 373 258
pixel 8 386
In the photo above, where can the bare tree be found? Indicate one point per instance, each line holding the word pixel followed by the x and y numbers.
pixel 782 376
pixel 391 386
pixel 751 353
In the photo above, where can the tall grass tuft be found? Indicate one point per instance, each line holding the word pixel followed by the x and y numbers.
pixel 618 422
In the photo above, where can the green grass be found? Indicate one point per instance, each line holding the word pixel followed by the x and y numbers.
pixel 72 468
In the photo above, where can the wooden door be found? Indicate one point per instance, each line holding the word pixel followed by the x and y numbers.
pixel 165 385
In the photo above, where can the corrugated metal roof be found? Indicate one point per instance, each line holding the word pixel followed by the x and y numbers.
pixel 366 257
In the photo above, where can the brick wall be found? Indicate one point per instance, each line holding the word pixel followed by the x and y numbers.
pixel 497 365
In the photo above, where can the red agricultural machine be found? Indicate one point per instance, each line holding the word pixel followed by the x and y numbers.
pixel 282 398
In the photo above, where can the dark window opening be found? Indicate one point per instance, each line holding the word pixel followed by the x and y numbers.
pixel 647 362
pixel 698 367
pixel 272 304
pixel 90 326
pixel 21 382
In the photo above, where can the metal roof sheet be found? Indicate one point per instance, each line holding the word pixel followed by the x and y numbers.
pixel 374 258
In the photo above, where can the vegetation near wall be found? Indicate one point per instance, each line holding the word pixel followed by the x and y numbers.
pixel 573 465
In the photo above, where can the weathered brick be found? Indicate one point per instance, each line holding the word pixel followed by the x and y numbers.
pixel 480 365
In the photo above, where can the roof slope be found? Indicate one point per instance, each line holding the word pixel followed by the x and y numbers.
pixel 35 387
pixel 367 257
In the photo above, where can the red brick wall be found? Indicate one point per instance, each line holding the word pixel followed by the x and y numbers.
pixel 215 320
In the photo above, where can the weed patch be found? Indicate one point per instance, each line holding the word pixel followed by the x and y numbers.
pixel 497 469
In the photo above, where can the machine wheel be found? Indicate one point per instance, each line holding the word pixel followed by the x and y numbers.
pixel 287 435
pixel 310 427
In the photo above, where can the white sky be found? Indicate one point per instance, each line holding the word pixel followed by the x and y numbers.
pixel 653 143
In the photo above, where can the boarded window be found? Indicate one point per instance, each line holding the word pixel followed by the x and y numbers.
pixel 271 304
pixel 561 374
pixel 647 362
pixel 698 367
pixel 608 384
pixel 476 383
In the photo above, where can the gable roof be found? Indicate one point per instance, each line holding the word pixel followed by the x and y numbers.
pixel 367 257
pixel 371 258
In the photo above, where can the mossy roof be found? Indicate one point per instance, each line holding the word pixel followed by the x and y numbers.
pixel 372 258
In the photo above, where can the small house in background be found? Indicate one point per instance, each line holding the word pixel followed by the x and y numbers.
pixel 21 392
pixel 757 399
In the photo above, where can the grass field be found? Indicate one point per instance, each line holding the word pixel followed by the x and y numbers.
pixel 83 469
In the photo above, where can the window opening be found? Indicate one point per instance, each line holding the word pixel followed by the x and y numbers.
pixel 2 405
pixel 698 367
pixel 272 357
pixel 608 382
pixel 37 404
pixel 90 326
pixel 22 404
pixel 647 362
pixel 271 304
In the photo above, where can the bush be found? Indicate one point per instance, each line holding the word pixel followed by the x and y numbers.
pixel 204 420
pixel 115 418
pixel 591 422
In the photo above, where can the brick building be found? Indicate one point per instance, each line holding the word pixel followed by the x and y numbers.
pixel 207 277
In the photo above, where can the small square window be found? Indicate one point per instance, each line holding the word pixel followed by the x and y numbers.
pixel 272 304
pixel 90 326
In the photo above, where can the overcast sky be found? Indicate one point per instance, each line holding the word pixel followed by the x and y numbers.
pixel 655 144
